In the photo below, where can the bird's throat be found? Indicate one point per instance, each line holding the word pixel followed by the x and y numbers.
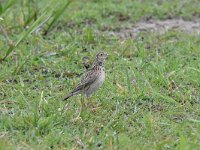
pixel 99 63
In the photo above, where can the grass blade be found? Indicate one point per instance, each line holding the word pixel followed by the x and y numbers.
pixel 40 21
pixel 56 16
pixel 7 5
pixel 167 98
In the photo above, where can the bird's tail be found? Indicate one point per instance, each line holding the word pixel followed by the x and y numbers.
pixel 74 92
pixel 68 96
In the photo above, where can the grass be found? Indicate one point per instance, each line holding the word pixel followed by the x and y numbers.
pixel 150 99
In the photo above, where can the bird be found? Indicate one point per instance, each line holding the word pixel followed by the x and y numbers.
pixel 92 79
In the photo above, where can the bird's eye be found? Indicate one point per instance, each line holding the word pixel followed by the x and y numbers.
pixel 101 54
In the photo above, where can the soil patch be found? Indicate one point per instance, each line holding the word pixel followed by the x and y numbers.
pixel 161 27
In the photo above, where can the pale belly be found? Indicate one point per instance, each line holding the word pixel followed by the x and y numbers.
pixel 96 85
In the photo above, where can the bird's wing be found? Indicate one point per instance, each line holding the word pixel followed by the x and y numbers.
pixel 89 77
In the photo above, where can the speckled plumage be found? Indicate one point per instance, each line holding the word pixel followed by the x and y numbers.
pixel 92 79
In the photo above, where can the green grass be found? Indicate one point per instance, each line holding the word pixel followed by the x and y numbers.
pixel 136 107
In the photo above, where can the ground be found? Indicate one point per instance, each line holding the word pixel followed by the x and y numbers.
pixel 150 98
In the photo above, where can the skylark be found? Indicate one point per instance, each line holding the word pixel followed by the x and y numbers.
pixel 92 79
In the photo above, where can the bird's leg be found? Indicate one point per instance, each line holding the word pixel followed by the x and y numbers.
pixel 89 100
pixel 89 103
pixel 82 101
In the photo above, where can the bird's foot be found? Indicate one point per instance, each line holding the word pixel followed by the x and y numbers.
pixel 94 107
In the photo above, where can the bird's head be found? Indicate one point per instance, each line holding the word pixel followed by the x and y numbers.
pixel 101 57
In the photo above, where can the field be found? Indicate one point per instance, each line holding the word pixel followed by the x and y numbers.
pixel 150 98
